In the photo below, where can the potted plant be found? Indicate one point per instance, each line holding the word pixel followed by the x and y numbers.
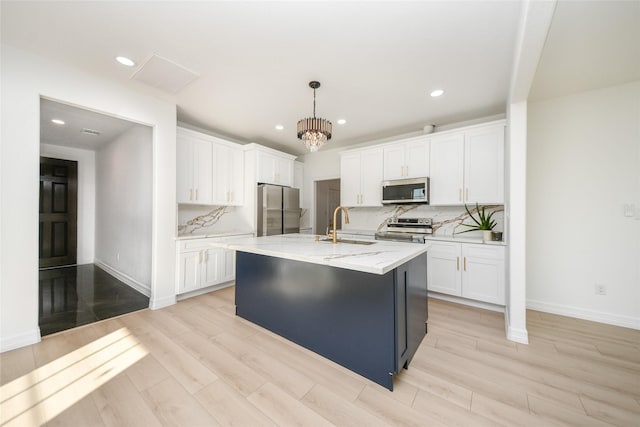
pixel 484 222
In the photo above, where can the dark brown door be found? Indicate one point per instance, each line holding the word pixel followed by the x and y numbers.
pixel 58 211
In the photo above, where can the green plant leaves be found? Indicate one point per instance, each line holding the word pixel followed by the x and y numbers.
pixel 484 221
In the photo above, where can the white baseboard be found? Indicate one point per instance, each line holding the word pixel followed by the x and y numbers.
pixel 465 301
pixel 581 313
pixel 140 287
pixel 197 292
pixel 20 340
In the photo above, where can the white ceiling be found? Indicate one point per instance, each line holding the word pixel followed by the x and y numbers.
pixel 75 120
pixel 590 45
pixel 377 61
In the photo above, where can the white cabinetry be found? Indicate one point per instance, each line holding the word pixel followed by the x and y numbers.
pixel 407 159
pixel 361 177
pixel 194 171
pixel 210 170
pixel 474 271
pixel 298 179
pixel 228 166
pixel 201 265
pixel 468 166
pixel 274 168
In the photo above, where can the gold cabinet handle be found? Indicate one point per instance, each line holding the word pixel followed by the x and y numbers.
pixel 460 194
pixel 196 194
pixel 191 194
pixel 458 263
pixel 466 197
pixel 465 263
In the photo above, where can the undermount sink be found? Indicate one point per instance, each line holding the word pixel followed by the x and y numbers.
pixel 353 242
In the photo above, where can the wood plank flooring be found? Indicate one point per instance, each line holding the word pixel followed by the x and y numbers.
pixel 196 363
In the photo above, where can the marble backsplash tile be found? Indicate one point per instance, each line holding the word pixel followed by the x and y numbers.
pixel 196 220
pixel 447 220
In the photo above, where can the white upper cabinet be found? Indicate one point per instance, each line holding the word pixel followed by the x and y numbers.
pixel 408 159
pixel 361 177
pixel 484 165
pixel 194 170
pixel 274 168
pixel 210 170
pixel 228 176
pixel 447 169
pixel 468 166
pixel 298 178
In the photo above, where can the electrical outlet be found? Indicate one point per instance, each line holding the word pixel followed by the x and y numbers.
pixel 601 289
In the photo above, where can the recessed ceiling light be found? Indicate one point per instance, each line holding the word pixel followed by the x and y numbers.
pixel 341 121
pixel 437 92
pixel 57 121
pixel 279 127
pixel 125 61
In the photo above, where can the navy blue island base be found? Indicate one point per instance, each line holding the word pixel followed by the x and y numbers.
pixel 369 323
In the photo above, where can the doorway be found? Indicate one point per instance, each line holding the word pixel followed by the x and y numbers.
pixel 327 200
pixel 58 212
pixel 95 216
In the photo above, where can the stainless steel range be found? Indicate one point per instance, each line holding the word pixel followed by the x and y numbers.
pixel 413 230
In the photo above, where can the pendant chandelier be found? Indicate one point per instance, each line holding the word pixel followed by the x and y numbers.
pixel 314 131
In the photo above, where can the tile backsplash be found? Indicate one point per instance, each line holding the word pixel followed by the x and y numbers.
pixel 196 220
pixel 447 220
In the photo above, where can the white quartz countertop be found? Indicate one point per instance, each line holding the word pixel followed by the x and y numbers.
pixel 378 258
pixel 210 235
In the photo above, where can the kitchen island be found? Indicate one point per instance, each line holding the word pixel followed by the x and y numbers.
pixel 364 306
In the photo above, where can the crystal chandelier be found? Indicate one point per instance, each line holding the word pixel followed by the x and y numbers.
pixel 314 131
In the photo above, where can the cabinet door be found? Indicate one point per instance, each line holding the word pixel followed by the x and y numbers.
pixel 443 268
pixel 371 177
pixel 350 179
pixel 394 164
pixel 283 171
pixel 189 271
pixel 184 170
pixel 417 158
pixel 484 166
pixel 211 266
pixel 221 174
pixel 228 266
pixel 236 177
pixel 446 169
pixel 298 179
pixel 483 273
pixel 203 178
pixel 266 168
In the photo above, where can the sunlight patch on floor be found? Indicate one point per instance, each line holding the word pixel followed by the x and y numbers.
pixel 42 394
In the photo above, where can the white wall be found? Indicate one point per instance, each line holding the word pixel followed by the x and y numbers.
pixel 86 195
pixel 123 206
pixel 583 166
pixel 24 79
pixel 318 166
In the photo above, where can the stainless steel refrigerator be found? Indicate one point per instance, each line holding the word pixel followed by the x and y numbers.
pixel 278 210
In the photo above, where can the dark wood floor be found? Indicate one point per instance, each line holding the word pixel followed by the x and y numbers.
pixel 83 294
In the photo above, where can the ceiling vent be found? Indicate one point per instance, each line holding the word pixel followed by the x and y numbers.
pixel 90 131
pixel 164 74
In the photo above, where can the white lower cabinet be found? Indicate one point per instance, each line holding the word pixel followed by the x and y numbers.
pixel 468 270
pixel 201 265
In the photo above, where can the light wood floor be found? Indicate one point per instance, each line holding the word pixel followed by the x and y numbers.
pixel 195 363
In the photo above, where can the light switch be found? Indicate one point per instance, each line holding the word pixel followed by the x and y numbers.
pixel 630 210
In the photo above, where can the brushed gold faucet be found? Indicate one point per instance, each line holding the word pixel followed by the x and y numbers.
pixel 335 218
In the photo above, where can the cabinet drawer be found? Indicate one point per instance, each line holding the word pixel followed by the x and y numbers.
pixel 484 251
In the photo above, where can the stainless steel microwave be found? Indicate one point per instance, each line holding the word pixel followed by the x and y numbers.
pixel 414 190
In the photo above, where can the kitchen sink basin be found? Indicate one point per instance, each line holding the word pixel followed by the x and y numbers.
pixel 353 242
